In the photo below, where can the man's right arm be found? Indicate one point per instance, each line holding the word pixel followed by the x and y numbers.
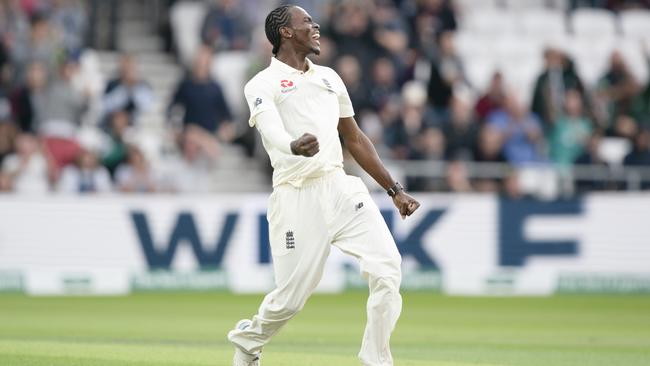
pixel 270 126
pixel 266 118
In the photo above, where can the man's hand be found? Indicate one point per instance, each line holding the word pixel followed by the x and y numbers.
pixel 405 204
pixel 305 145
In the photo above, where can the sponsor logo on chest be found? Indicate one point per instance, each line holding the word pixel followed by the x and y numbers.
pixel 287 86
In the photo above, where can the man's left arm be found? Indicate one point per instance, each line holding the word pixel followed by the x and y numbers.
pixel 365 154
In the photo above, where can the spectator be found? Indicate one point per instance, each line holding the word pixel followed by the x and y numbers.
pixel 86 176
pixel 136 174
pixel 592 157
pixel 203 100
pixel 521 131
pixel 429 19
pixel 4 59
pixel 625 126
pixel 127 92
pixel 26 101
pixel 27 168
pixel 7 129
pixel 641 108
pixel 429 145
pixel 225 26
pixel 559 75
pixel 349 69
pixel 447 74
pixel 641 105
pixel 569 134
pixel 353 32
pixel 383 85
pixel 616 90
pixel 492 99
pixel 640 154
pixel 116 150
pixel 394 133
pixel 42 45
pixel 14 24
pixel 60 110
pixel 512 186
pixel 391 35
pixel 411 121
pixel 70 18
pixel 458 177
pixel 489 149
pixel 461 133
pixel 190 173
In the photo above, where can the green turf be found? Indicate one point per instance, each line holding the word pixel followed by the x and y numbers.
pixel 189 329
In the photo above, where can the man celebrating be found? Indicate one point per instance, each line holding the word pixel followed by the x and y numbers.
pixel 300 109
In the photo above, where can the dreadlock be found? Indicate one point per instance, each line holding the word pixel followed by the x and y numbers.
pixel 278 17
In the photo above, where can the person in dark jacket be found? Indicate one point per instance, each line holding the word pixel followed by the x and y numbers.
pixel 203 99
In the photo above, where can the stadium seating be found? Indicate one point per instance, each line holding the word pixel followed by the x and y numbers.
pixel 542 23
pixel 591 58
pixel 635 23
pixel 593 23
pixel 491 22
pixel 470 46
pixel 465 6
pixel 533 4
pixel 230 69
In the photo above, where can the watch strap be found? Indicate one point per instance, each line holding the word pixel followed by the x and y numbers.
pixel 395 189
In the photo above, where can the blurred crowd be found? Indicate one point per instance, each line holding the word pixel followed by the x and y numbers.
pixel 378 48
pixel 397 58
pixel 66 127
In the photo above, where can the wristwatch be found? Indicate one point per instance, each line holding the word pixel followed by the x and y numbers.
pixel 395 189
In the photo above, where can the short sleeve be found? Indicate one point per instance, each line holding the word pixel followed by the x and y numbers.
pixel 345 104
pixel 259 98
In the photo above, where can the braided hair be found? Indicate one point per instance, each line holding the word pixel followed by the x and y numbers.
pixel 277 18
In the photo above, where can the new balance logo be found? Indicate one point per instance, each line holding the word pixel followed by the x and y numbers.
pixel 291 241
pixel 358 206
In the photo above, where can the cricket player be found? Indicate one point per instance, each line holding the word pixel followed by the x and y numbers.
pixel 300 109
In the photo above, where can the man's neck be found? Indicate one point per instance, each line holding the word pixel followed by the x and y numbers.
pixel 295 60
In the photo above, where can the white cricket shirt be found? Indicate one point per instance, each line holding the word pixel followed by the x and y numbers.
pixel 310 101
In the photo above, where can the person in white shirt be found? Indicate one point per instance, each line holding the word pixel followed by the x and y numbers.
pixel 300 109
pixel 27 168
pixel 87 176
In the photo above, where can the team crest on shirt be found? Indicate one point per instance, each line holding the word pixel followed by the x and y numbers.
pixel 287 86
pixel 291 240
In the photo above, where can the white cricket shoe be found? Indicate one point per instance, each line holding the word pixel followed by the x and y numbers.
pixel 242 358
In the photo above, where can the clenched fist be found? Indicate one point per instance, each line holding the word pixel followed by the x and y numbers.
pixel 405 204
pixel 306 145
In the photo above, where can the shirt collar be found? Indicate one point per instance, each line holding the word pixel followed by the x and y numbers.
pixel 279 65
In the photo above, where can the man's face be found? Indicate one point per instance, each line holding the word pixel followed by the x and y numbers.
pixel 304 32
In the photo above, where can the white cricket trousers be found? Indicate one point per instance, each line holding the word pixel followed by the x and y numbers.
pixel 335 209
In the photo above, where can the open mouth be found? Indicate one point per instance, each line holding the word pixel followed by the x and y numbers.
pixel 316 38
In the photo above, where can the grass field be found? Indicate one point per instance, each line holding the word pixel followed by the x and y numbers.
pixel 190 328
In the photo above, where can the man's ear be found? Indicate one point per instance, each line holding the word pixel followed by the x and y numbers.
pixel 286 32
